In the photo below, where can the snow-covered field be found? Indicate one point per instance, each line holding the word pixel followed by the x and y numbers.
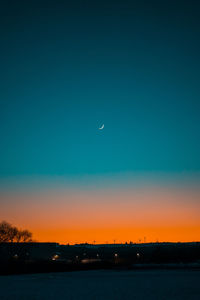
pixel 150 285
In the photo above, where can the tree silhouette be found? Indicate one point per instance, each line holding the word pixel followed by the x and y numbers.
pixel 10 234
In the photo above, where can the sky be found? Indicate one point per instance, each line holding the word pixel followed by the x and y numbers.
pixel 66 69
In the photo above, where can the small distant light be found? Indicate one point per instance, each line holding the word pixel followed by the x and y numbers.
pixel 56 256
pixel 138 255
pixel 97 255
pixel 116 255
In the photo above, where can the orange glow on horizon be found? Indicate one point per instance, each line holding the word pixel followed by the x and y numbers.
pixel 147 214
pixel 119 235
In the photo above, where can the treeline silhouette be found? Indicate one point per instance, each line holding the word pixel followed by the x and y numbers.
pixel 11 234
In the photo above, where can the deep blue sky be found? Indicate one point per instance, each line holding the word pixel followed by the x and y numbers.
pixel 68 68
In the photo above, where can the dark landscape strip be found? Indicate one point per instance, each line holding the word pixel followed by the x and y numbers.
pixel 51 267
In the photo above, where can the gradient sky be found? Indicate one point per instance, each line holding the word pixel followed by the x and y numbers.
pixel 67 68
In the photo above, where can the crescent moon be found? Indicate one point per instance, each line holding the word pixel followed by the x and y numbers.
pixel 102 127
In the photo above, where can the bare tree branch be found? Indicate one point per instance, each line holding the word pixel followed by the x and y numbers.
pixel 9 233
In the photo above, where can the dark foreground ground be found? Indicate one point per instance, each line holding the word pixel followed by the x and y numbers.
pixel 103 284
